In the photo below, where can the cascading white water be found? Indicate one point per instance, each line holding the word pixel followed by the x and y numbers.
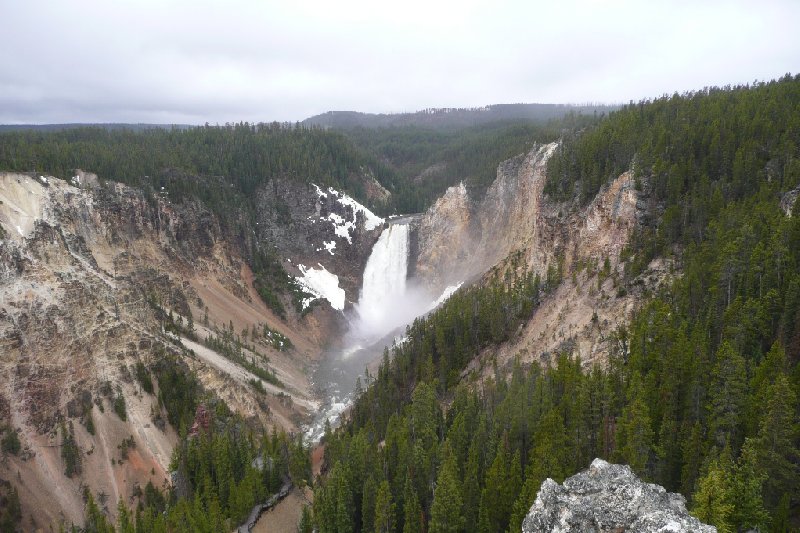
pixel 386 304
pixel 384 284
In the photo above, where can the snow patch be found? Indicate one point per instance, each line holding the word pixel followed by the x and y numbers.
pixel 372 220
pixel 319 191
pixel 330 246
pixel 321 284
pixel 447 293
pixel 342 227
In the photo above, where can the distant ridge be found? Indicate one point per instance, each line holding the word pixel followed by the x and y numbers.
pixel 107 126
pixel 451 117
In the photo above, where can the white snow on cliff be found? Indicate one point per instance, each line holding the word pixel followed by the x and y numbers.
pixel 447 293
pixel 321 284
pixel 343 227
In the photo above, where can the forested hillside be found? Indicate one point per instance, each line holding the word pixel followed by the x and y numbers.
pixel 425 162
pixel 700 393
pixel 221 468
pixel 454 118
pixel 221 166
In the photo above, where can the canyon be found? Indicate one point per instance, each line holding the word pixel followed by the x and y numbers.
pixel 94 272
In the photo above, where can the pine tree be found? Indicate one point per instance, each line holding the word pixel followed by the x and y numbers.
pixel 727 397
pixel 384 509
pixel 692 457
pixel 124 521
pixel 96 521
pixel 775 447
pixel 746 492
pixel 413 519
pixel 306 524
pixel 446 511
pixel 712 501
pixel 473 473
pixel 635 432
pixel 502 485
pixel 368 503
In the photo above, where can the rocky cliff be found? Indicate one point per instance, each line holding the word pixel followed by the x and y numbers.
pixel 609 497
pixel 317 227
pixel 90 272
pixel 516 226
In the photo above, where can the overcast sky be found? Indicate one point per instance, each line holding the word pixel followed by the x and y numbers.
pixel 217 61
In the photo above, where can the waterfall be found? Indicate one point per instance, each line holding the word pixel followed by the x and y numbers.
pixel 386 303
pixel 384 286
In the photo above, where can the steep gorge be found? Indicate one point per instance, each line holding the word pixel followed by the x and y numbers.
pixel 93 278
pixel 94 275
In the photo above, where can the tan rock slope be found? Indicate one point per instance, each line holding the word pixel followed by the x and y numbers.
pixel 84 269
pixel 515 226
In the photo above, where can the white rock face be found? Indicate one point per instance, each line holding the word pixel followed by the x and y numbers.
pixel 23 201
pixel 609 497
pixel 461 237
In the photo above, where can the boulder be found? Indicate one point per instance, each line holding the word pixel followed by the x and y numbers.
pixel 609 497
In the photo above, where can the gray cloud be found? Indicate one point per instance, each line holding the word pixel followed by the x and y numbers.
pixel 180 61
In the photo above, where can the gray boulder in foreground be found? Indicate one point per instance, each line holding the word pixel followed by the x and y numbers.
pixel 609 497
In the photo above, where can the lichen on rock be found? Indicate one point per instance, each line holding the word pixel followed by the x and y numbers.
pixel 609 497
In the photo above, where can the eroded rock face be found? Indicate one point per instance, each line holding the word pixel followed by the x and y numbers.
pixel 87 275
pixel 609 497
pixel 460 238
pixel 517 229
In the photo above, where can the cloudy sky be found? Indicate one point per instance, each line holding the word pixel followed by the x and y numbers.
pixel 174 61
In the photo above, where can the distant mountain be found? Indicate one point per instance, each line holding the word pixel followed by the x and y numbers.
pixel 451 117
pixel 107 126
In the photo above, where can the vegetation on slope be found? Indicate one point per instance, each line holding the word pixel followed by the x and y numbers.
pixel 221 467
pixel 426 161
pixel 700 393
pixel 693 153
pixel 454 118
pixel 221 166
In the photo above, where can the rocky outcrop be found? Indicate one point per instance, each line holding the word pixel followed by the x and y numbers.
pixel 443 239
pixel 789 200
pixel 609 497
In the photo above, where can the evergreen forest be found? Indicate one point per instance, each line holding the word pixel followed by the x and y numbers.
pixel 701 391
